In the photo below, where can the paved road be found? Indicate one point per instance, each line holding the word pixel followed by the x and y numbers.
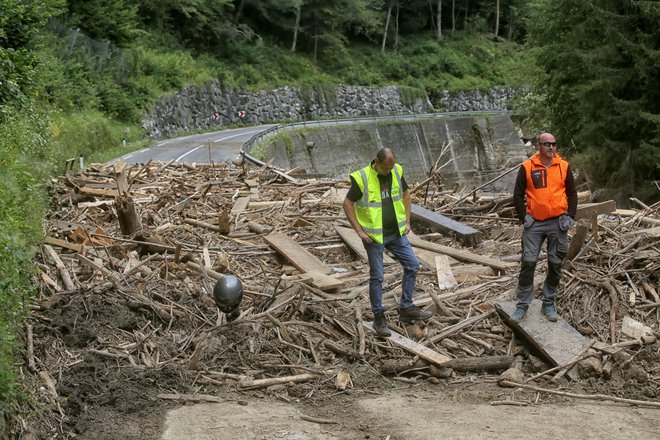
pixel 218 146
pixel 221 146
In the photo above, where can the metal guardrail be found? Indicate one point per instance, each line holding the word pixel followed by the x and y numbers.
pixel 247 146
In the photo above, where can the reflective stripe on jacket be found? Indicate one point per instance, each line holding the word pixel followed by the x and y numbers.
pixel 369 209
pixel 546 187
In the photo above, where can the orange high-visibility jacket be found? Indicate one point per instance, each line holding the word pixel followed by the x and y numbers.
pixel 546 187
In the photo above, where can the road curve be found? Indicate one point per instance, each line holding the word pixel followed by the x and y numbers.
pixel 217 146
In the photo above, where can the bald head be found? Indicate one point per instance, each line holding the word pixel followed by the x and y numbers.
pixel 546 137
pixel 385 160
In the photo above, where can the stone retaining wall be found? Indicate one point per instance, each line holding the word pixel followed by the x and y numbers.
pixel 215 106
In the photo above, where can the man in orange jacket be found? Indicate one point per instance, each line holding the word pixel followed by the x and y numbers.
pixel 545 199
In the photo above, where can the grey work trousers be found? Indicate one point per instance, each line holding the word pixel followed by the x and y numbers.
pixel 556 234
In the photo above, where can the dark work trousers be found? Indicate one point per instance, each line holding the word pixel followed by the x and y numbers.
pixel 532 239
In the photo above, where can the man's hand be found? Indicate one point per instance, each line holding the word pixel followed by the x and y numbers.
pixel 349 209
pixel 364 237
pixel 407 231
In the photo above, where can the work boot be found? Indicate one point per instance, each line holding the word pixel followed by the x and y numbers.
pixel 518 315
pixel 380 325
pixel 550 313
pixel 413 313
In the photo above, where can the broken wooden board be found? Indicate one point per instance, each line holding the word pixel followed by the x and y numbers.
pixel 634 329
pixel 588 210
pixel 557 341
pixel 298 255
pixel 577 241
pixel 465 234
pixel 322 281
pixel 446 278
pixel 461 254
pixel 413 347
pixel 354 242
pixel 240 205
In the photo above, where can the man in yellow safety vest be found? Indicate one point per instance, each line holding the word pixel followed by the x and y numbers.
pixel 378 207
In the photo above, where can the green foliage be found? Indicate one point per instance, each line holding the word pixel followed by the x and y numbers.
pixel 20 24
pixel 114 20
pixel 409 95
pixel 601 62
pixel 23 137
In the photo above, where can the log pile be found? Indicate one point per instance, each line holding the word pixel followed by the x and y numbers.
pixel 131 256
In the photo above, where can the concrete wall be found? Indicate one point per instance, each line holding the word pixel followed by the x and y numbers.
pixel 481 147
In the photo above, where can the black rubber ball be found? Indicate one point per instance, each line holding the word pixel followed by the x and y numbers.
pixel 228 293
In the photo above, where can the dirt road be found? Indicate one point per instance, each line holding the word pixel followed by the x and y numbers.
pixel 409 415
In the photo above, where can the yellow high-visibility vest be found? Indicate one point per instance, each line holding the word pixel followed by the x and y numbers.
pixel 369 209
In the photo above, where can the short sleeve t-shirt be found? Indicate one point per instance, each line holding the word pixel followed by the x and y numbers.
pixel 390 225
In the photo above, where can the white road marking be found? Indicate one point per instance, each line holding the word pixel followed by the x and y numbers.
pixel 185 154
pixel 236 135
pixel 127 156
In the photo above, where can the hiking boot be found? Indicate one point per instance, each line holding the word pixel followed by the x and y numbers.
pixel 380 325
pixel 518 315
pixel 550 313
pixel 413 313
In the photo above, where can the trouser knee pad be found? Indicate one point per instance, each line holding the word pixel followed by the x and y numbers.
pixel 526 277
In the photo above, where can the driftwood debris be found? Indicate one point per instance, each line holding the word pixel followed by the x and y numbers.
pixel 126 305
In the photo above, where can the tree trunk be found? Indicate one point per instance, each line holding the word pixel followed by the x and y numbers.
pixel 239 11
pixel 387 25
pixel 453 17
pixel 438 19
pixel 467 6
pixel 396 28
pixel 497 17
pixel 295 28
pixel 316 44
pixel 129 221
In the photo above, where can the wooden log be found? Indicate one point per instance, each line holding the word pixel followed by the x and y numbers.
pixel 253 384
pixel 600 397
pixel 129 221
pixel 257 228
pixel 64 273
pixel 465 234
pixel 414 347
pixel 482 363
pixel 191 397
pixel 457 327
pixel 460 254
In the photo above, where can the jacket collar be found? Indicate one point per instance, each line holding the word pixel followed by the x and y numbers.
pixel 536 159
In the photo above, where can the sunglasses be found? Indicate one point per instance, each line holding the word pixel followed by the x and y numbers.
pixel 549 144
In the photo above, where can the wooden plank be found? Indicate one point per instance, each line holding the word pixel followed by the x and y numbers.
pixel 63 244
pixel 577 241
pixel 322 281
pixel 557 341
pixel 466 234
pixel 354 242
pixel 461 254
pixel 240 205
pixel 413 347
pixel 587 210
pixel 298 255
pixel 446 278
